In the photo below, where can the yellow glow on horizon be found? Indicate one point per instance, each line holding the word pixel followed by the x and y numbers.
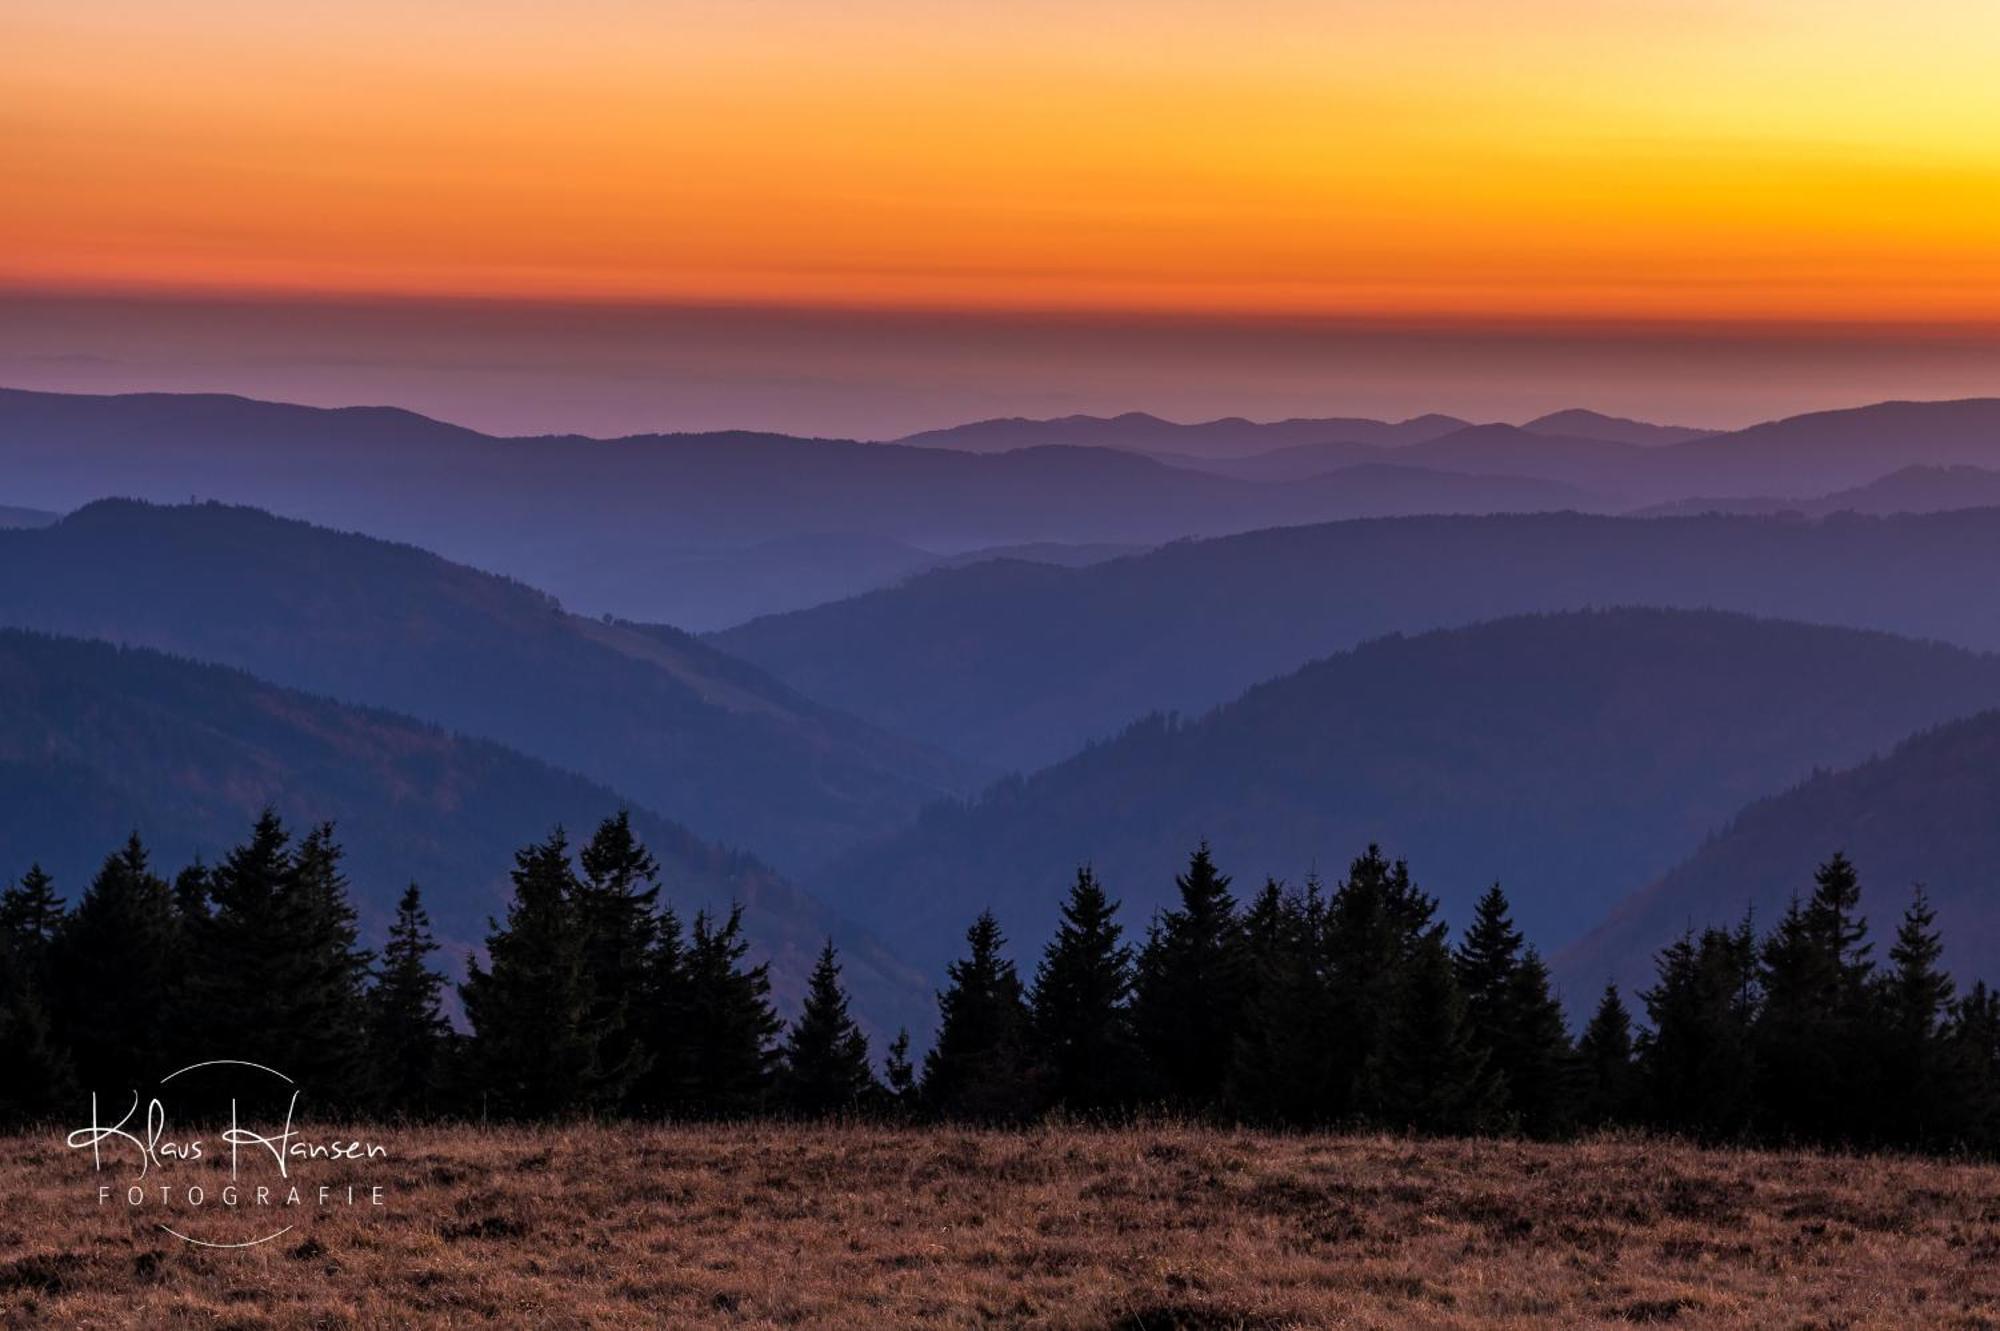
pixel 1624 158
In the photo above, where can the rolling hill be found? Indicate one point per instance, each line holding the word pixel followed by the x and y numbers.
pixel 611 526
pixel 1016 666
pixel 654 713
pixel 1908 490
pixel 1927 812
pixel 1567 756
pixel 97 741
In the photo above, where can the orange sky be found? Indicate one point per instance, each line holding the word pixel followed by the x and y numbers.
pixel 1793 159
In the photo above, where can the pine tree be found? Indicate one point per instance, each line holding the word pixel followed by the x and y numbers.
pixel 1818 1034
pixel 1279 1065
pixel 1081 1023
pixel 528 1006
pixel 240 976
pixel 1697 1065
pixel 1190 988
pixel 31 914
pixel 732 1027
pixel 39 1080
pixel 899 1075
pixel 615 902
pixel 1606 1075
pixel 1376 922
pixel 1972 1052
pixel 324 1013
pixel 408 1037
pixel 1433 1076
pixel 667 1083
pixel 826 1067
pixel 1916 997
pixel 1516 1021
pixel 114 987
pixel 979 1067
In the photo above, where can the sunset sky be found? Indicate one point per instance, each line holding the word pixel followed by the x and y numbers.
pixel 1769 163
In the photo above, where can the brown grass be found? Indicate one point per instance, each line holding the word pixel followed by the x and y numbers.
pixel 762 1226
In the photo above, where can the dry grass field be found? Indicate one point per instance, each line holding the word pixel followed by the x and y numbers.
pixel 765 1226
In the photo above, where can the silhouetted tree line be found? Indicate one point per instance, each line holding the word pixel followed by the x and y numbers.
pixel 1340 1006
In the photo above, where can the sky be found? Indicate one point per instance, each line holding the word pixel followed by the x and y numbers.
pixel 878 215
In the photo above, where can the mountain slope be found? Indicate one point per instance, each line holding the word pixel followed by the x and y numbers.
pixel 1567 756
pixel 1583 424
pixel 612 525
pixel 97 741
pixel 1017 666
pixel 1927 812
pixel 1908 490
pixel 656 714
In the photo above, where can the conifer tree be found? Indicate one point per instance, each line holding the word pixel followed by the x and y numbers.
pixel 615 900
pixel 1913 1083
pixel 826 1056
pixel 979 1067
pixel 666 1083
pixel 1972 1051
pixel 1818 1037
pixel 1516 1022
pixel 1190 988
pixel 528 1006
pixel 899 1075
pixel 1433 1075
pixel 408 1036
pixel 30 915
pixel 1279 1064
pixel 1081 1022
pixel 1605 1080
pixel 39 1080
pixel 1375 923
pixel 114 982
pixel 323 1012
pixel 1697 1065
pixel 731 1026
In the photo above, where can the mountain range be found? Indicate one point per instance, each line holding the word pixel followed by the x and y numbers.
pixel 1014 665
pixel 98 741
pixel 1570 757
pixel 669 721
pixel 610 525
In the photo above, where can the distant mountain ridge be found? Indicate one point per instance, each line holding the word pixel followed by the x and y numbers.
pixel 98 741
pixel 710 740
pixel 1567 756
pixel 1910 490
pixel 1018 666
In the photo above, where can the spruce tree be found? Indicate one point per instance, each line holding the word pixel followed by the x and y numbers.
pixel 616 897
pixel 1433 1075
pixel 1516 1022
pixel 1697 1065
pixel 39 1080
pixel 899 1075
pixel 1972 1052
pixel 1081 1023
pixel 1605 1072
pixel 1376 922
pixel 528 1006
pixel 1818 1034
pixel 324 1011
pixel 667 1081
pixel 1279 1064
pixel 1190 988
pixel 408 1037
pixel 114 987
pixel 241 971
pixel 825 1068
pixel 1916 995
pixel 31 914
pixel 731 1026
pixel 979 1067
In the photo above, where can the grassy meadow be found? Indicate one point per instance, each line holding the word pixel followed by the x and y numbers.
pixel 1097 1230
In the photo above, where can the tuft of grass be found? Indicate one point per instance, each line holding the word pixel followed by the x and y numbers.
pixel 1068 1228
